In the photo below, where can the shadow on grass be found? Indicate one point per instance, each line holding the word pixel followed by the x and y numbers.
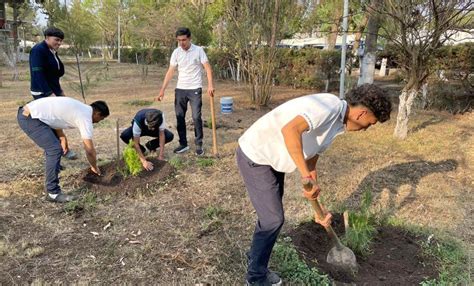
pixel 431 121
pixel 391 178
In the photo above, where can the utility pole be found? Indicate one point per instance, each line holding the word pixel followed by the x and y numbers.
pixel 344 48
pixel 118 31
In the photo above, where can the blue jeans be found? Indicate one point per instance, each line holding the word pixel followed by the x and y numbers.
pixel 265 188
pixel 194 97
pixel 45 137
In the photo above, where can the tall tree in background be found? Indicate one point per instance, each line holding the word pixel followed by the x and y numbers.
pixel 417 30
pixel 367 66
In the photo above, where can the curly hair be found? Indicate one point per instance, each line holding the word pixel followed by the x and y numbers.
pixel 372 97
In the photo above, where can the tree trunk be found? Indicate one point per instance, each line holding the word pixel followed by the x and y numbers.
pixel 275 24
pixel 404 110
pixel 367 66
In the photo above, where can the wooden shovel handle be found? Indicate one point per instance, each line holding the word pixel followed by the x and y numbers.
pixel 214 135
pixel 319 211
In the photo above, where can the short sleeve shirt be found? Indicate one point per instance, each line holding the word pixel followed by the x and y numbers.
pixel 63 113
pixel 264 144
pixel 189 65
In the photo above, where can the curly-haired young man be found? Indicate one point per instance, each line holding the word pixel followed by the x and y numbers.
pixel 292 136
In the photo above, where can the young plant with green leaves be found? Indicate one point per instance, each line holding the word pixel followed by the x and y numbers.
pixel 361 230
pixel 132 161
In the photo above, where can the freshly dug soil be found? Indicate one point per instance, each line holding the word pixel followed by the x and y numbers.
pixel 113 179
pixel 395 259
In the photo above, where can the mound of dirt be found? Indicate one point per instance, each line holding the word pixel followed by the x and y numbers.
pixel 395 259
pixel 113 178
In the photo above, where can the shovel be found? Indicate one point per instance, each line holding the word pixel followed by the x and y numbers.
pixel 340 255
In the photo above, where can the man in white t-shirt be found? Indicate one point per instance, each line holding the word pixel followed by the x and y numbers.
pixel 44 119
pixel 293 136
pixel 189 60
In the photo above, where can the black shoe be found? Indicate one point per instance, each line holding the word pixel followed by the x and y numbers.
pixel 61 198
pixel 181 149
pixel 199 151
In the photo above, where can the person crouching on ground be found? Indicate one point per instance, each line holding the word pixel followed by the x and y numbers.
pixel 44 119
pixel 148 122
pixel 293 136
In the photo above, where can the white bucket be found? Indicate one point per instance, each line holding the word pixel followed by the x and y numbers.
pixel 227 105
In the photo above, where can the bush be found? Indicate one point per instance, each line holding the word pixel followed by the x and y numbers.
pixel 307 68
pixel 132 161
pixel 147 56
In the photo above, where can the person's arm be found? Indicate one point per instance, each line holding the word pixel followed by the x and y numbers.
pixel 62 139
pixel 162 144
pixel 91 155
pixel 168 77
pixel 292 134
pixel 210 83
pixel 146 164
pixel 38 71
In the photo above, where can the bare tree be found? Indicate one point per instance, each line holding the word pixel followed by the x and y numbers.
pixel 417 29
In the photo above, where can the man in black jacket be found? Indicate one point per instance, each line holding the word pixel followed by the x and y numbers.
pixel 45 66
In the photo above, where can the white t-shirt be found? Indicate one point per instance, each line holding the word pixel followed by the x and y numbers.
pixel 189 65
pixel 137 131
pixel 60 112
pixel 264 144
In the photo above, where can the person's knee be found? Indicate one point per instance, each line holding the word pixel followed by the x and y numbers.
pixel 169 137
pixel 125 138
pixel 55 151
pixel 273 223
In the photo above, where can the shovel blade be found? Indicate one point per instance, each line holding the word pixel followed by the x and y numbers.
pixel 343 257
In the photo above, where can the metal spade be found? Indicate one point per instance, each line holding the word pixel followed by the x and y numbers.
pixel 340 255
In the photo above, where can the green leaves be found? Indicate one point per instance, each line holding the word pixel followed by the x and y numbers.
pixel 132 161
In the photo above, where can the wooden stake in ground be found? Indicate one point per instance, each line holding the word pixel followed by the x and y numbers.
pixel 213 119
pixel 118 142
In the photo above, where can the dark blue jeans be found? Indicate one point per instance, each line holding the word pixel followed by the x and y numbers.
pixel 194 97
pixel 45 137
pixel 265 188
pixel 153 144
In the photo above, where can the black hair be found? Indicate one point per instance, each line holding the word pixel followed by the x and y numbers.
pixel 372 97
pixel 183 31
pixel 54 32
pixel 101 107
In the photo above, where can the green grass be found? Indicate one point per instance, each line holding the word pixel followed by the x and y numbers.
pixel 452 260
pixel 212 212
pixel 361 227
pixel 138 102
pixel 86 203
pixel 176 162
pixel 295 271
pixel 205 162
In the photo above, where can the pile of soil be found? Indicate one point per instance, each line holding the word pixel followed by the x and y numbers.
pixel 396 257
pixel 114 179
